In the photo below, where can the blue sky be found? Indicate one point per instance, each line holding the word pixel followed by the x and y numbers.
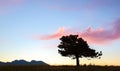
pixel 23 24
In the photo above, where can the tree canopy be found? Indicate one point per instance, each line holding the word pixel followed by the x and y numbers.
pixel 75 47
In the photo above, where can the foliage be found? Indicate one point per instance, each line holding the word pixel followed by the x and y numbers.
pixel 75 47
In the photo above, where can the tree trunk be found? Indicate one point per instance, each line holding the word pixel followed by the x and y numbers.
pixel 77 61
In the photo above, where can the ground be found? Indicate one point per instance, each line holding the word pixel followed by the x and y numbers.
pixel 59 68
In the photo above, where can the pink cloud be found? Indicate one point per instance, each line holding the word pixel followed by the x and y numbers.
pixel 77 5
pixel 6 4
pixel 97 36
pixel 9 2
pixel 60 32
pixel 101 36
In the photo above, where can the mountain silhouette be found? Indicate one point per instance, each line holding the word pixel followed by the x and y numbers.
pixel 23 62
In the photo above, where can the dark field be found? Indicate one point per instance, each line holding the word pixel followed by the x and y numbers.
pixel 59 68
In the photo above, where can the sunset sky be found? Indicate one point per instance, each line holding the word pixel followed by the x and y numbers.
pixel 30 29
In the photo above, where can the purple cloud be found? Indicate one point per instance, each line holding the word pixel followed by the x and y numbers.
pixel 102 35
pixel 97 36
pixel 78 5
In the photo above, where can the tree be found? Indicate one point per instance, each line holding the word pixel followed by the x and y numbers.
pixel 75 47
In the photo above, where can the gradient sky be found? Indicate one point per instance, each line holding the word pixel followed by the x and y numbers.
pixel 30 29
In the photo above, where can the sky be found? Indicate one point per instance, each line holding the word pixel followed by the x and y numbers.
pixel 30 29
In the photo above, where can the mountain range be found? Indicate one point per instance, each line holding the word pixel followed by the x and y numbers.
pixel 23 62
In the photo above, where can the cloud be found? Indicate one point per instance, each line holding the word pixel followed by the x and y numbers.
pixel 101 36
pixel 77 5
pixel 9 2
pixel 94 36
pixel 60 32
pixel 63 5
pixel 5 5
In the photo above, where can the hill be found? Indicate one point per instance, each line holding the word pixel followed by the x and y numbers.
pixel 23 62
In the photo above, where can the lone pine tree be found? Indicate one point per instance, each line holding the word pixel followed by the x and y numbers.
pixel 75 47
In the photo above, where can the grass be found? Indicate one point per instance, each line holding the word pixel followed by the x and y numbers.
pixel 58 68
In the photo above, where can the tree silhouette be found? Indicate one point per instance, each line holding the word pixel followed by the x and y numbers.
pixel 75 47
